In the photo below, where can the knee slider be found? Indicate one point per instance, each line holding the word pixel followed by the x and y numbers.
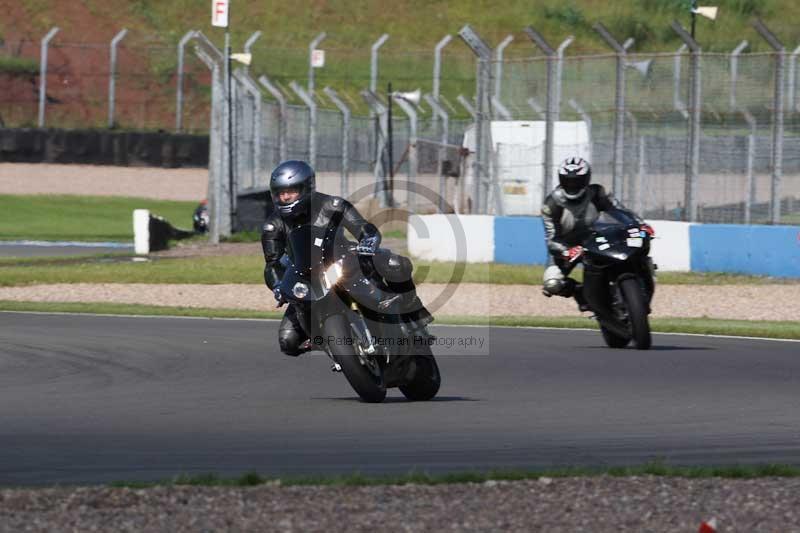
pixel 554 286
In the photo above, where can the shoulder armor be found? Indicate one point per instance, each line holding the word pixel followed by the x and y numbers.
pixel 272 226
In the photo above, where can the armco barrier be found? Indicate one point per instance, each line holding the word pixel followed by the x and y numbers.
pixel 679 246
pixel 763 250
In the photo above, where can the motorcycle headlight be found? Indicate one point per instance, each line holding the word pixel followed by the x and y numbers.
pixel 300 290
pixel 332 275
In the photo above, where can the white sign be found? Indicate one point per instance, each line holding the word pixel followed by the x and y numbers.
pixel 318 58
pixel 219 13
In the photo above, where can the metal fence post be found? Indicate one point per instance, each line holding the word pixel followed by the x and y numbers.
pixel 219 204
pixel 497 103
pixel 43 73
pixel 735 70
pixel 112 76
pixel 248 45
pixel 312 121
pixel 559 73
pixel 777 120
pixel 791 85
pixel 750 184
pixel 334 97
pixel 179 86
pixel 378 109
pixel 693 155
pixel 373 62
pixel 547 50
pixel 468 106
pixel 282 114
pixel 483 132
pixel 250 86
pixel 311 47
pixel 584 116
pixel 439 111
pixel 537 108
pixel 619 104
pixel 677 103
pixel 437 70
pixel 413 159
pixel 633 185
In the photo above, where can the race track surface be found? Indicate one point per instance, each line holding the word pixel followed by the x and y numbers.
pixel 89 399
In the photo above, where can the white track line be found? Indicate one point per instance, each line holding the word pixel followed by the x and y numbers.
pixel 547 328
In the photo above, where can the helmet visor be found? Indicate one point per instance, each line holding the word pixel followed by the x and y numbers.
pixel 287 195
pixel 573 185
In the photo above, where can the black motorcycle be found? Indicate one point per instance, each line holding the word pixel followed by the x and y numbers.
pixel 618 280
pixel 347 312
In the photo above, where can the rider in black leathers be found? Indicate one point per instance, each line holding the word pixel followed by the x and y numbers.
pixel 568 214
pixel 293 190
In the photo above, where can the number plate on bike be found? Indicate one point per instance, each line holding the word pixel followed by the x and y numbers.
pixel 635 242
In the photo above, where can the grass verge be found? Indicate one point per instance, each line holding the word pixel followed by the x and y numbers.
pixel 422 478
pixel 82 218
pixel 248 269
pixel 701 326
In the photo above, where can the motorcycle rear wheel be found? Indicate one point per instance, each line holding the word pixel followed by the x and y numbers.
pixel 636 302
pixel 366 378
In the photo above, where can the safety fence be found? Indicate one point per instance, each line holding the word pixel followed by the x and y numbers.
pixel 680 135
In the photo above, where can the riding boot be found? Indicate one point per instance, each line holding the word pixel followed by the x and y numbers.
pixel 583 305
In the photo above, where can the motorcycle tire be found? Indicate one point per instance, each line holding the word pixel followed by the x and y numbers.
pixel 636 302
pixel 366 380
pixel 426 381
pixel 612 339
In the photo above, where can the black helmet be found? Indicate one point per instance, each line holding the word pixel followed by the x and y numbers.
pixel 292 174
pixel 574 176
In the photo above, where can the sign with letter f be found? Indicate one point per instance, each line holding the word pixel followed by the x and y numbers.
pixel 219 13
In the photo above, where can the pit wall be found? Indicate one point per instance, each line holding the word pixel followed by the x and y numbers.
pixel 678 247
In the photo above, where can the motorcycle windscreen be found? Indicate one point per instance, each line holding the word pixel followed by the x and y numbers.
pixel 307 245
pixel 612 235
pixel 613 217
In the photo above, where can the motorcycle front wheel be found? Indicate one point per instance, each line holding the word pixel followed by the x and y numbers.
pixel 636 302
pixel 426 381
pixel 362 371
pixel 612 339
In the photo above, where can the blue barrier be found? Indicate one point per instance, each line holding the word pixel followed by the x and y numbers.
pixel 519 241
pixel 763 250
pixel 733 248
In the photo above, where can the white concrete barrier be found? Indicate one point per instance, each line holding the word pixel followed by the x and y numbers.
pixel 670 249
pixel 141 231
pixel 467 238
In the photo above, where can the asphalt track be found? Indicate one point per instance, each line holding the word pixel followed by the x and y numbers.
pixel 89 399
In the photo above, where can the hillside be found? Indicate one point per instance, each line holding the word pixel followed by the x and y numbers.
pixel 415 27
pixel 413 24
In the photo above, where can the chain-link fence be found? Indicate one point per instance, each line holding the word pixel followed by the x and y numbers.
pixel 731 174
pixel 683 135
